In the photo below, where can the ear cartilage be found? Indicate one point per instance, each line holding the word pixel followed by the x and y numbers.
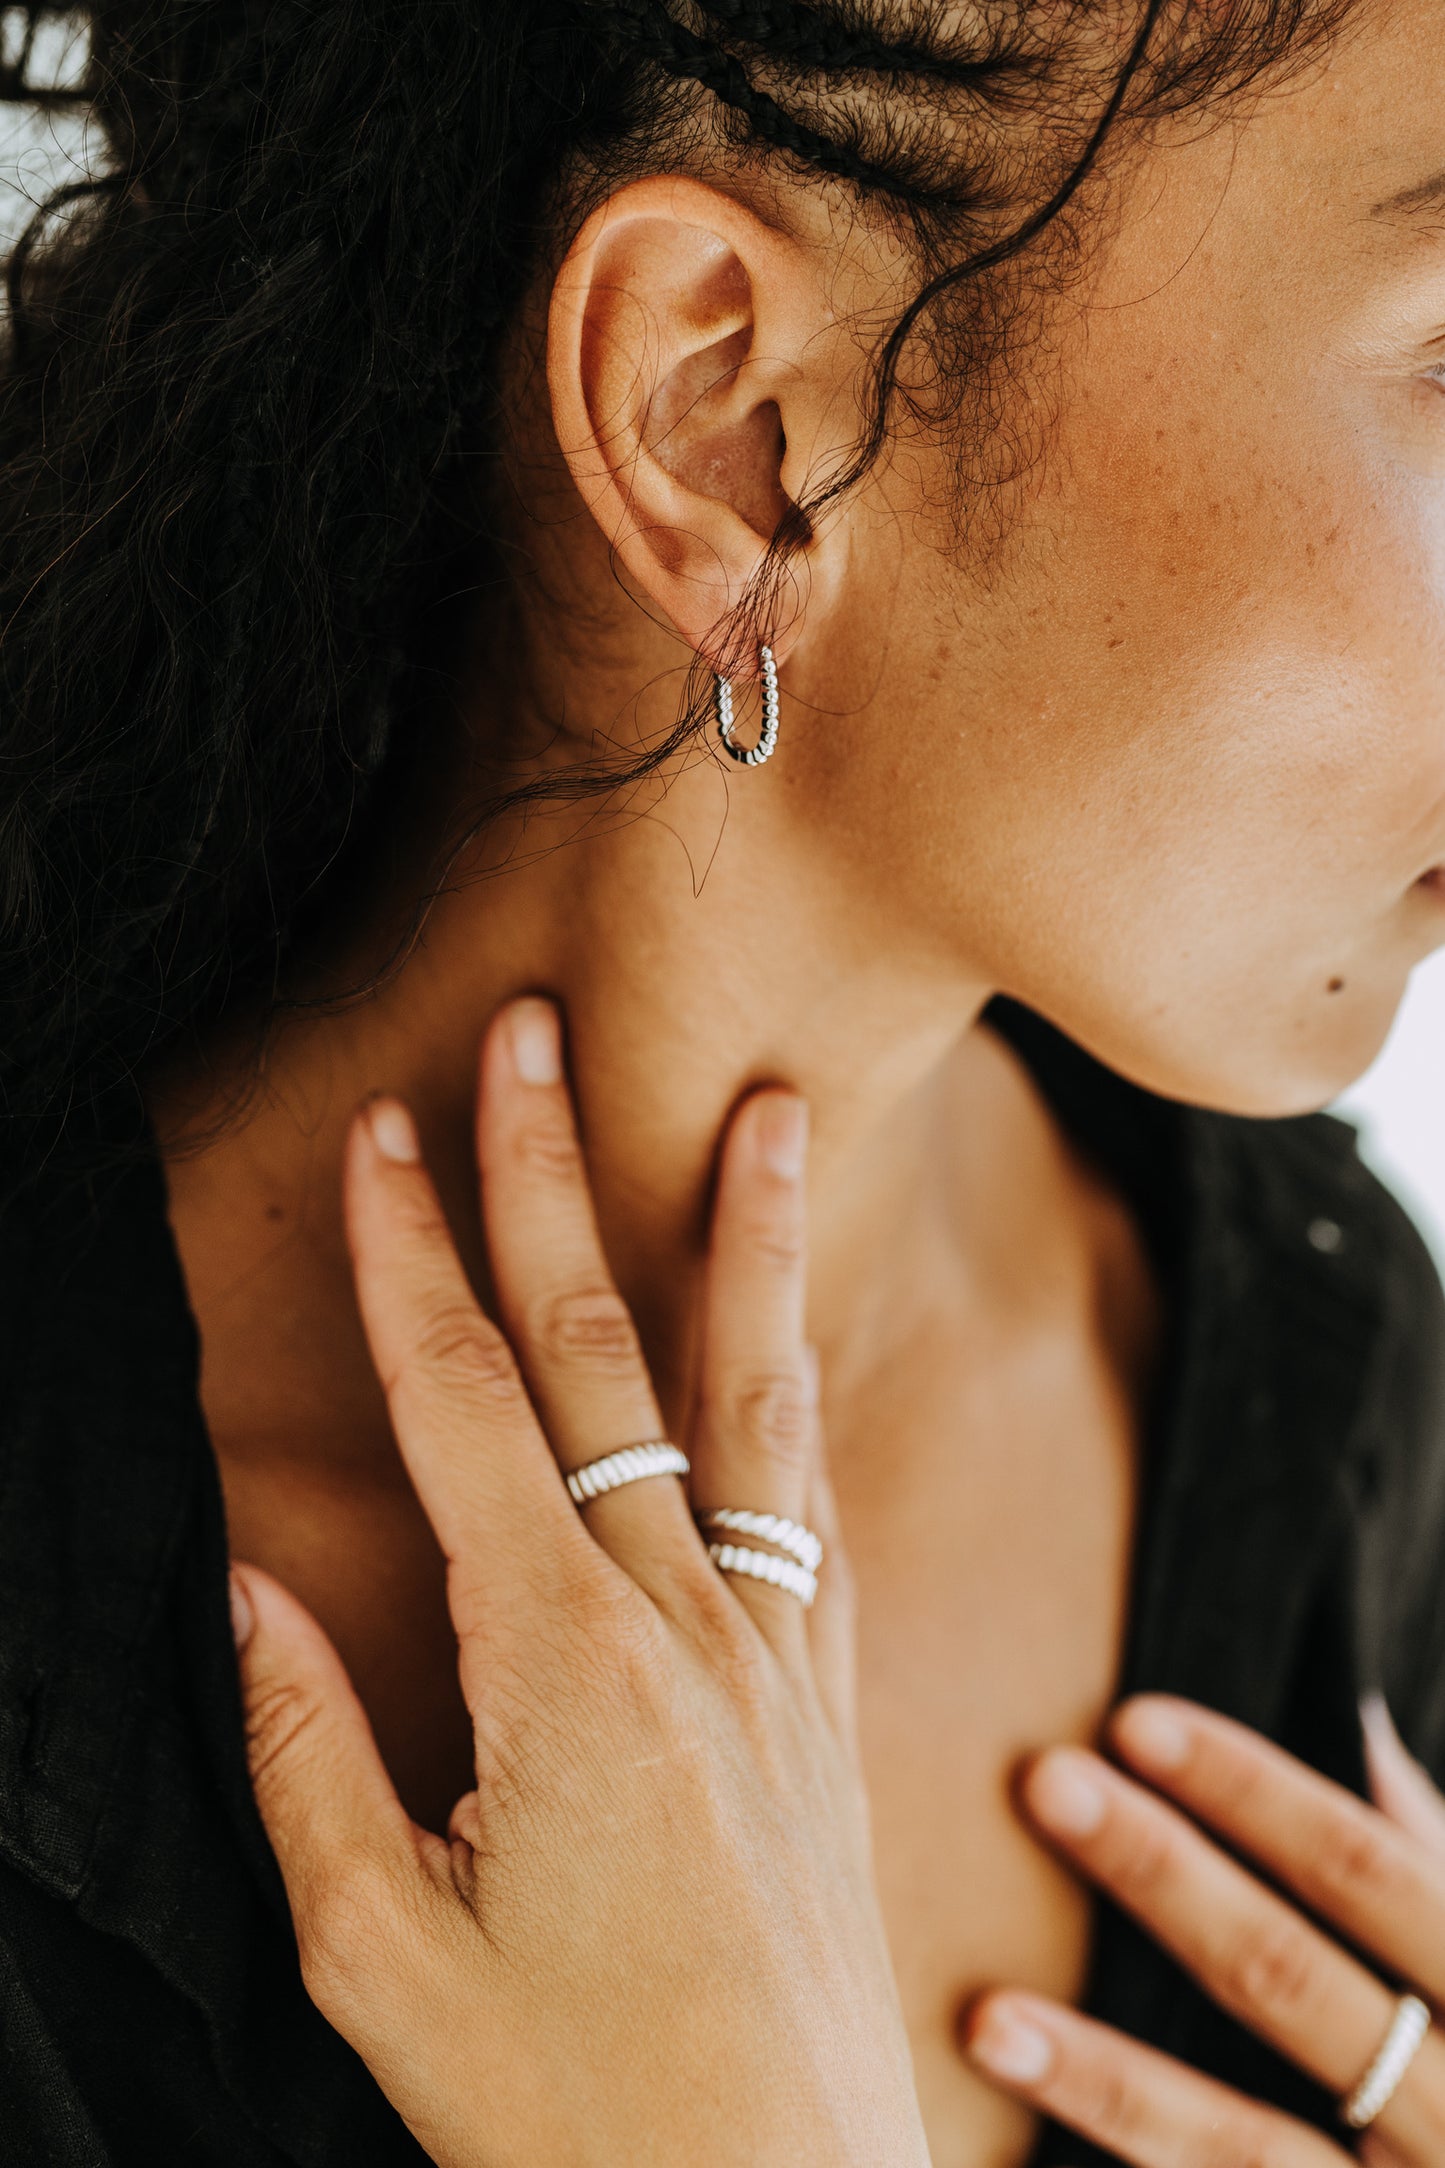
pixel 751 756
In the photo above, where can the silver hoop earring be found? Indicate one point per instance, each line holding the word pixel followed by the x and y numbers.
pixel 752 756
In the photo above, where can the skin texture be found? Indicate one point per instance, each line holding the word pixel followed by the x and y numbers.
pixel 1167 762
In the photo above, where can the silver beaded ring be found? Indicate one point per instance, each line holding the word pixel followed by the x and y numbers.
pixel 629 1464
pixel 765 1566
pixel 751 756
pixel 1400 2046
pixel 790 1536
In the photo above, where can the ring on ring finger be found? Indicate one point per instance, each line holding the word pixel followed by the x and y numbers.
pixel 1381 2081
pixel 795 1570
pixel 790 1536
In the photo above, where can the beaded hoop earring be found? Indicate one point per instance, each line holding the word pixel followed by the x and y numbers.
pixel 751 756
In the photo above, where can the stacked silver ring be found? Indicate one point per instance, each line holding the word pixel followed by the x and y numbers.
pixel 789 1536
pixel 766 1566
pixel 797 1571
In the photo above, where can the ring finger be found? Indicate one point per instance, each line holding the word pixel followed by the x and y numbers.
pixel 755 1434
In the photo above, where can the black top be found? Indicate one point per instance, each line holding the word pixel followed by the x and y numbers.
pixel 151 2011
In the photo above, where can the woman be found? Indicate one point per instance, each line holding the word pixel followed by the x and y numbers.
pixel 441 446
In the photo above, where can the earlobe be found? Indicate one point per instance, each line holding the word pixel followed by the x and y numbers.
pixel 678 344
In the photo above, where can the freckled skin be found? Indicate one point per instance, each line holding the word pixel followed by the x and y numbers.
pixel 1193 729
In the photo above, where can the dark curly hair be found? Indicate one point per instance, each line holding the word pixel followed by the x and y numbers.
pixel 250 363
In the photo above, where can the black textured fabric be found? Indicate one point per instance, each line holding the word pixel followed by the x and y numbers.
pixel 1290 1554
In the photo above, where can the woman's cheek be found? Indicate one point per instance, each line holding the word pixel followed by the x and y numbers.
pixel 1236 913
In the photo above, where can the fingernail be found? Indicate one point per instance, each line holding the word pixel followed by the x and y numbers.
pixel 783 1134
pixel 1381 1733
pixel 243 1618
pixel 1376 1718
pixel 536 1041
pixel 1009 2047
pixel 1065 1795
pixel 1152 1735
pixel 394 1132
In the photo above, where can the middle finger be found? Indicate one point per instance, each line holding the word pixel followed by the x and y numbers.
pixel 1349 1863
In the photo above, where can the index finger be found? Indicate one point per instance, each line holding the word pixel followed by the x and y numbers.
pixel 464 1424
pixel 1347 1861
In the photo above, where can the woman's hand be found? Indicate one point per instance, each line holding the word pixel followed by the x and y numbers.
pixel 1377 1876
pixel 651 1933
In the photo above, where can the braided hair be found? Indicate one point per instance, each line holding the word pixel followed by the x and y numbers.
pixel 250 359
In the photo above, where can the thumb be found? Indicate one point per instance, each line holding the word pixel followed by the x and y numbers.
pixel 345 1845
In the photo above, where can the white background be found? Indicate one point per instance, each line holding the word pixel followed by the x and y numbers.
pixel 1400 1107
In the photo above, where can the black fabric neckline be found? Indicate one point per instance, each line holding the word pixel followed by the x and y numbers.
pixel 115 1658
pixel 102 1262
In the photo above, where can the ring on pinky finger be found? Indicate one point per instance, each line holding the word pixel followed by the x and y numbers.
pixel 1142 2106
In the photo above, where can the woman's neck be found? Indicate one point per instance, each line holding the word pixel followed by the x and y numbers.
pixel 679 995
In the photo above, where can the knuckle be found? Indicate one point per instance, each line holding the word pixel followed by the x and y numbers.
pixel 418 1216
pixel 627 1665
pixel 607 1610
pixel 589 1325
pixel 777 1242
pixel 1353 1859
pixel 282 1719
pixel 342 1917
pixel 458 1349
pixel 1271 1969
pixel 607 1630
pixel 771 1415
pixel 547 1147
pixel 1101 2091
pixel 1243 1778
pixel 1147 1860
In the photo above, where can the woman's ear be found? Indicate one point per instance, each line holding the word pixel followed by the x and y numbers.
pixel 692 358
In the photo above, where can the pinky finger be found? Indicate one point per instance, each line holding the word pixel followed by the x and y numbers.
pixel 1136 2103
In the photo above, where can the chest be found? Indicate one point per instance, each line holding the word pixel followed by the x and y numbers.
pixel 992 1554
